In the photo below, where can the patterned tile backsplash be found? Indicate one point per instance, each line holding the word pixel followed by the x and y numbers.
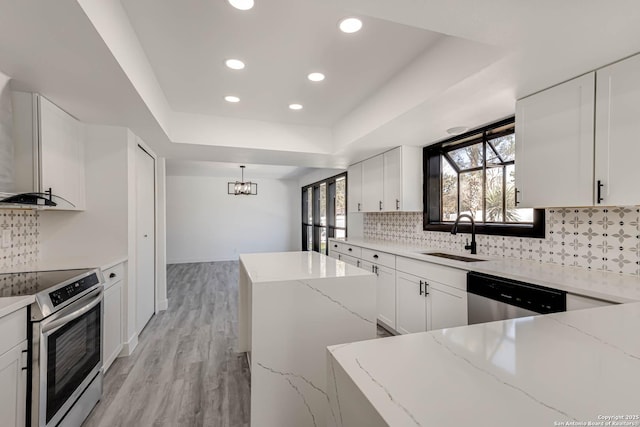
pixel 594 238
pixel 23 225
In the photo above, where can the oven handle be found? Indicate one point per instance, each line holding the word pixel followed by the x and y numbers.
pixel 54 323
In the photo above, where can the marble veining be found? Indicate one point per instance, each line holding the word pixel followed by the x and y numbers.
pixel 391 398
pixel 498 379
pixel 336 302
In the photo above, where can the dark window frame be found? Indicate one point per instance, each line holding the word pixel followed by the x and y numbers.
pixel 330 212
pixel 432 214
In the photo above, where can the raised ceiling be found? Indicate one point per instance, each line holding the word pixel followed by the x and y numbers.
pixel 461 63
pixel 281 42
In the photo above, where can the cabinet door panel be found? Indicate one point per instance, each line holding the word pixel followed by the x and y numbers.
pixel 617 133
pixel 61 155
pixel 447 306
pixel 354 188
pixel 112 324
pixel 13 387
pixel 392 188
pixel 372 178
pixel 386 295
pixel 411 310
pixel 554 145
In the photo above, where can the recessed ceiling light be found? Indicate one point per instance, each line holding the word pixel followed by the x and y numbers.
pixel 457 130
pixel 241 4
pixel 316 77
pixel 231 98
pixel 350 25
pixel 295 106
pixel 234 64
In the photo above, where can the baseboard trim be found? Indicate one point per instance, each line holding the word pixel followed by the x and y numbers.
pixel 163 305
pixel 129 346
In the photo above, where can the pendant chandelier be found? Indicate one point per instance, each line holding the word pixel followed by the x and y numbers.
pixel 242 187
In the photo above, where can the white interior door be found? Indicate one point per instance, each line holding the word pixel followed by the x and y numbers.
pixel 145 239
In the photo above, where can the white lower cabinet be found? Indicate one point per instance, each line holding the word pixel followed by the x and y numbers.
pixel 13 385
pixel 446 306
pixel 113 314
pixel 385 292
pixel 411 307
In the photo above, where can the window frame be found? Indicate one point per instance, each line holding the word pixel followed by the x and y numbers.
pixel 330 212
pixel 432 187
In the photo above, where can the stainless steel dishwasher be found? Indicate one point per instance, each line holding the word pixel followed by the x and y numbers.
pixel 492 298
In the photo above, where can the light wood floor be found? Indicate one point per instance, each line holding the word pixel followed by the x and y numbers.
pixel 184 371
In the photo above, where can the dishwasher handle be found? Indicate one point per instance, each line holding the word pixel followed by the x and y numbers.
pixel 532 297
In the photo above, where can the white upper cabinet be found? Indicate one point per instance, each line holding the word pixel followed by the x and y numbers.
pixel 388 182
pixel 61 155
pixel 354 188
pixel 403 179
pixel 372 179
pixel 554 145
pixel 49 150
pixel 617 131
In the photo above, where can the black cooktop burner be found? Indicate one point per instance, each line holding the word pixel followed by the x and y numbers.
pixel 34 282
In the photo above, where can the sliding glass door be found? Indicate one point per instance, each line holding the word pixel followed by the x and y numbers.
pixel 324 212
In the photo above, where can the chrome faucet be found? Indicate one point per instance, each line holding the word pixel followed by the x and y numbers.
pixel 454 230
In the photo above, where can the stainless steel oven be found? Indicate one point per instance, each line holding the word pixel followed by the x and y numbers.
pixel 66 351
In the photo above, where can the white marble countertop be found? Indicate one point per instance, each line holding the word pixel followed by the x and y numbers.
pixel 608 286
pixel 280 266
pixel 10 304
pixel 532 371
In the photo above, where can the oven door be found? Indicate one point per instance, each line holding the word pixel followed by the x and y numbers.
pixel 70 356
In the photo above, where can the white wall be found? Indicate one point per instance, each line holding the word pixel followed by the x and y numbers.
pixel 204 223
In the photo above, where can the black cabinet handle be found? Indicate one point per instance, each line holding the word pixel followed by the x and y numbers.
pixel 112 275
pixel 600 185
pixel 350 249
pixel 375 256
pixel 335 246
pixel 358 207
pixel 421 287
pixel 397 204
pixel 380 204
pixel 517 202
pixel 425 289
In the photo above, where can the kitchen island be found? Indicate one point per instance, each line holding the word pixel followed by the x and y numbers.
pixel 561 369
pixel 292 305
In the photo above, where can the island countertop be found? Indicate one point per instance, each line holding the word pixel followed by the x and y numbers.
pixel 279 266
pixel 572 367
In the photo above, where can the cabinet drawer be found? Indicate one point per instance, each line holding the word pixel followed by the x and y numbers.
pixel 347 249
pixel 349 259
pixel 113 275
pixel 430 271
pixel 13 329
pixel 380 258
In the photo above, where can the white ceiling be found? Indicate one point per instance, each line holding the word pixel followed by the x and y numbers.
pixel 232 171
pixel 94 59
pixel 280 41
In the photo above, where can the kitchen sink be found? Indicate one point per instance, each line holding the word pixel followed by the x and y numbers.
pixel 454 257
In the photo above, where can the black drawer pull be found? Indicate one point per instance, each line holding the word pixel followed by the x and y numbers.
pixel 350 249
pixel 421 287
pixel 112 275
pixel 335 246
pixel 375 256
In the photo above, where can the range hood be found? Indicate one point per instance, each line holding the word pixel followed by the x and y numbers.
pixel 30 199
